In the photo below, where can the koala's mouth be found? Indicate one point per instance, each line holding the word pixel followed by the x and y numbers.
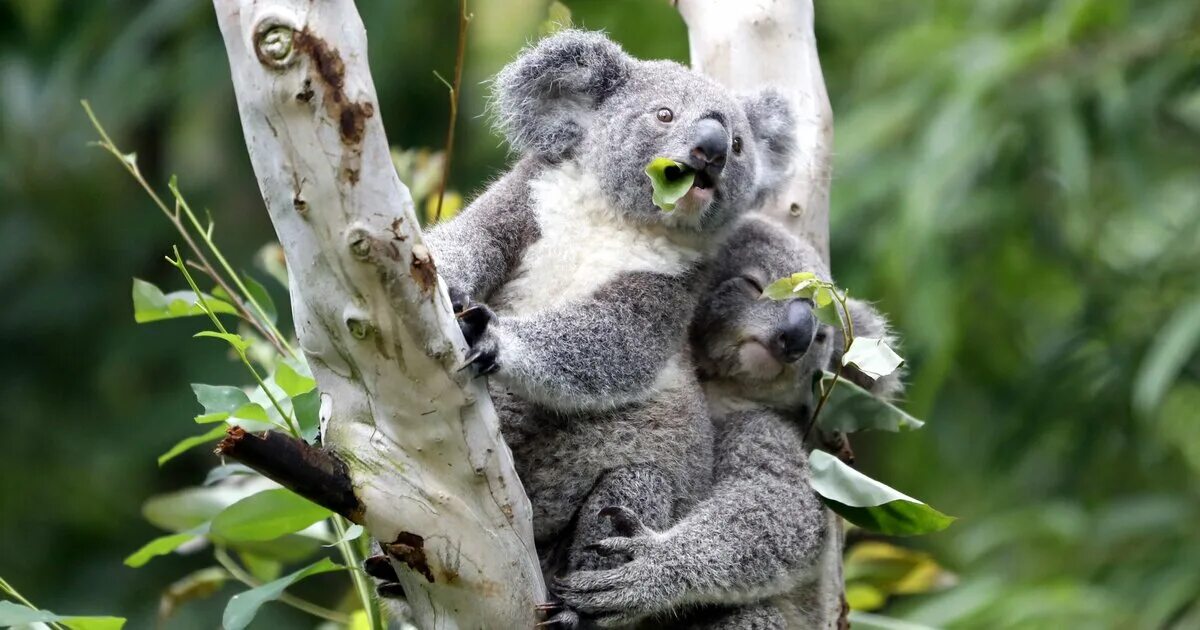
pixel 703 187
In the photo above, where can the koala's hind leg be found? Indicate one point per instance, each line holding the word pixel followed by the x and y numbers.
pixel 643 488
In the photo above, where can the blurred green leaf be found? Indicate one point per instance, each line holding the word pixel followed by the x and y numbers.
pixel 225 471
pixel 163 545
pixel 151 305
pixel 12 614
pixel 189 443
pixel 868 621
pixel 307 407
pixel 354 532
pixel 870 504
pixel 1173 345
pixel 266 515
pixel 196 585
pixel 260 295
pixel 244 606
pixel 851 408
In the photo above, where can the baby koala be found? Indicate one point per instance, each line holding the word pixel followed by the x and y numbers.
pixel 745 557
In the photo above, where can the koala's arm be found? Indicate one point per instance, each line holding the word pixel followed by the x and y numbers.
pixel 476 250
pixel 598 352
pixel 757 536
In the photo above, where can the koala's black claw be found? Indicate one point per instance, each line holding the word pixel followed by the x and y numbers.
pixel 473 322
pixel 380 568
pixel 391 590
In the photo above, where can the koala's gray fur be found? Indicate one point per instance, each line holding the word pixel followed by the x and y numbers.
pixel 745 556
pixel 593 286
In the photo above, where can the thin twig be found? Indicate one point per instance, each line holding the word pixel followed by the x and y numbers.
pixel 455 90
pixel 131 166
pixel 242 576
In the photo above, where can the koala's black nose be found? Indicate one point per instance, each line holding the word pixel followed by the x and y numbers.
pixel 796 331
pixel 712 144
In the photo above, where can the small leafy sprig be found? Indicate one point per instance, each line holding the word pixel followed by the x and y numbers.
pixel 856 497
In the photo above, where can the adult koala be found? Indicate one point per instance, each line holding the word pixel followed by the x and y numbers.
pixel 591 286
pixel 746 557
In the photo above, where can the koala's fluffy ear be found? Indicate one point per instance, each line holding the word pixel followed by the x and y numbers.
pixel 868 322
pixel 774 125
pixel 544 98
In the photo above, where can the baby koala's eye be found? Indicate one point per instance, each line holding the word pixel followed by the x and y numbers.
pixel 752 285
pixel 665 115
pixel 737 145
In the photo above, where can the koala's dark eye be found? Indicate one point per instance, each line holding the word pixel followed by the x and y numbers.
pixel 665 115
pixel 737 145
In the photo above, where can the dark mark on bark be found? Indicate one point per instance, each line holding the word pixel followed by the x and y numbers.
pixel 423 269
pixel 396 230
pixel 306 93
pixel 409 548
pixel 331 70
pixel 300 205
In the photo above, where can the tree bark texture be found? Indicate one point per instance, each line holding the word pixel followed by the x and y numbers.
pixel 419 439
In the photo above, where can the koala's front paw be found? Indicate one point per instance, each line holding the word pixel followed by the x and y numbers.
pixel 621 596
pixel 474 321
pixel 380 568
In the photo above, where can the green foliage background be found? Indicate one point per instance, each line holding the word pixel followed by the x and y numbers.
pixel 1017 182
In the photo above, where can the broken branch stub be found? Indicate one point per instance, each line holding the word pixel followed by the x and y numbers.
pixel 420 442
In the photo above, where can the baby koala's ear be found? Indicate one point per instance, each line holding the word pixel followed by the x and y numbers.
pixel 544 100
pixel 773 123
pixel 868 323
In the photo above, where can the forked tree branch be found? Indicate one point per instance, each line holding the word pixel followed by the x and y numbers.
pixel 420 442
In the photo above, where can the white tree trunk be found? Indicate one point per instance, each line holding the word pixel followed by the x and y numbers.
pixel 747 44
pixel 421 441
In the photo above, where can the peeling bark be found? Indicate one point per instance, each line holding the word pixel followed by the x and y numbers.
pixel 748 44
pixel 419 441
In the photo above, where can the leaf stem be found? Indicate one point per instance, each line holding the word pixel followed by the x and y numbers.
pixel 361 586
pixel 293 426
pixel 848 335
pixel 130 165
pixel 242 576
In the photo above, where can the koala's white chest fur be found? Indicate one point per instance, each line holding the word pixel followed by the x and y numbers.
pixel 585 243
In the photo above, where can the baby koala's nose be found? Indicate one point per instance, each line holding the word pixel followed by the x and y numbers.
pixel 712 144
pixel 798 328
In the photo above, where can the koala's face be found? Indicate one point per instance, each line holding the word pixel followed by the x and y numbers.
pixel 765 350
pixel 577 96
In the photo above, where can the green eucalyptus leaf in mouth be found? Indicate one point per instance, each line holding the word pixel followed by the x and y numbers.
pixel 671 181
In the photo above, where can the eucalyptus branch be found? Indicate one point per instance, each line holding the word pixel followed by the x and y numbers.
pixel 292 426
pixel 241 575
pixel 848 335
pixel 129 161
pixel 361 585
pixel 455 90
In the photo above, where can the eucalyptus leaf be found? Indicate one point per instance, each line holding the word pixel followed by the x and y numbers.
pixel 237 341
pixel 150 304
pixel 244 606
pixel 307 409
pixel 870 504
pixel 219 398
pixel 163 545
pixel 872 357
pixel 851 408
pixel 260 295
pixel 13 614
pixel 354 532
pixel 292 382
pixel 192 442
pixel 1168 354
pixel 671 180
pixel 266 516
pixel 226 471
